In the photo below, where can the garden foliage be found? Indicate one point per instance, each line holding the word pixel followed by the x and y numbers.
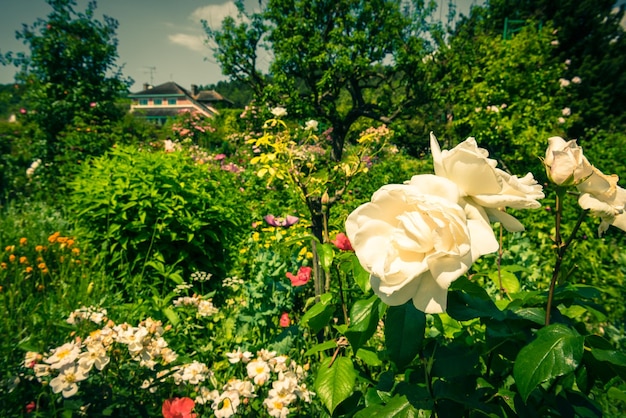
pixel 159 211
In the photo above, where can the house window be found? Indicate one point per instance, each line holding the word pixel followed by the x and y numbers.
pixel 171 101
pixel 143 102
pixel 157 102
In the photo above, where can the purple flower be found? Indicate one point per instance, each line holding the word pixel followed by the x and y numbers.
pixel 281 222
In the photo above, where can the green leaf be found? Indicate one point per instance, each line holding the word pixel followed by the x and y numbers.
pixel 557 350
pixel 319 315
pixel 334 383
pixel 326 254
pixel 404 333
pixel 171 315
pixel 507 279
pixel 363 321
pixel 615 393
pixel 467 301
pixel 369 357
pixel 398 407
pixel 326 345
pixel 359 274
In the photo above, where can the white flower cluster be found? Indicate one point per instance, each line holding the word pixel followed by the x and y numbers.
pixel 200 276
pixel 30 171
pixel 91 313
pixel 72 362
pixel 205 307
pixel 285 389
pixel 232 282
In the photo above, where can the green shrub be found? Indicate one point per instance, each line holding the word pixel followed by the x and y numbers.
pixel 159 210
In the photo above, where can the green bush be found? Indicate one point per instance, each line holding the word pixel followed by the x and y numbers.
pixel 159 210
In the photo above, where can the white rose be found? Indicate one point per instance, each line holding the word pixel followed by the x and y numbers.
pixel 605 199
pixel 483 185
pixel 279 112
pixel 565 163
pixel 311 125
pixel 416 239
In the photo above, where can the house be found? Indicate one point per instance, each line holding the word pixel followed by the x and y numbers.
pixel 167 100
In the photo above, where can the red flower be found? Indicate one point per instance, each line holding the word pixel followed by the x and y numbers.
pixel 30 407
pixel 178 408
pixel 304 274
pixel 284 320
pixel 342 242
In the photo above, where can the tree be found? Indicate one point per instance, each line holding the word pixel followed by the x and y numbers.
pixel 591 40
pixel 70 74
pixel 333 60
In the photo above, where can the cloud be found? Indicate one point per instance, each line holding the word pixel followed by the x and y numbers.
pixel 193 42
pixel 215 13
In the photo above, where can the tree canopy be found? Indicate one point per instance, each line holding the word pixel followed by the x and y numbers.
pixel 70 71
pixel 338 61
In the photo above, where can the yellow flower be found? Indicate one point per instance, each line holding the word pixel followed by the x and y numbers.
pixel 76 251
pixel 3 266
pixel 9 248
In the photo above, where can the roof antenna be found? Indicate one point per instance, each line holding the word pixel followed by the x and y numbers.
pixel 151 70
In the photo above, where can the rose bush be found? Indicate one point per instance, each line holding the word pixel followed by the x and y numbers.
pixel 565 163
pixel 416 239
pixel 483 185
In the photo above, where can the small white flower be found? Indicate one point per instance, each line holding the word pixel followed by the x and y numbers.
pixel 576 80
pixel 563 82
pixel 279 112
pixel 66 381
pixel 311 125
pixel 239 356
pixel 566 111
pixel 226 404
pixel 258 371
pixel 63 355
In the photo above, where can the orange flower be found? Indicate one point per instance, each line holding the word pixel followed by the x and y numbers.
pixel 3 265
pixel 76 251
pixel 39 248
pixel 23 260
pixel 62 239
pixel 41 266
pixel 12 258
pixel 9 248
pixel 23 241
pixel 29 269
pixel 52 238
pixel 70 242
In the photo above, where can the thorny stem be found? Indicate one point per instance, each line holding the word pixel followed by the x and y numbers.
pixel 560 246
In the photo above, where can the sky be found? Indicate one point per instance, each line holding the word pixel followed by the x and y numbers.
pixel 158 40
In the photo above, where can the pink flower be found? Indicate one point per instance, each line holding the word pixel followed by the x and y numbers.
pixel 178 408
pixel 30 407
pixel 284 222
pixel 284 320
pixel 304 275
pixel 92 104
pixel 219 157
pixel 342 242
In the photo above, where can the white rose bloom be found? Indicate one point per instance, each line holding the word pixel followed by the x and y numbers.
pixel 483 185
pixel 279 112
pixel 605 199
pixel 416 239
pixel 565 163
pixel 311 125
